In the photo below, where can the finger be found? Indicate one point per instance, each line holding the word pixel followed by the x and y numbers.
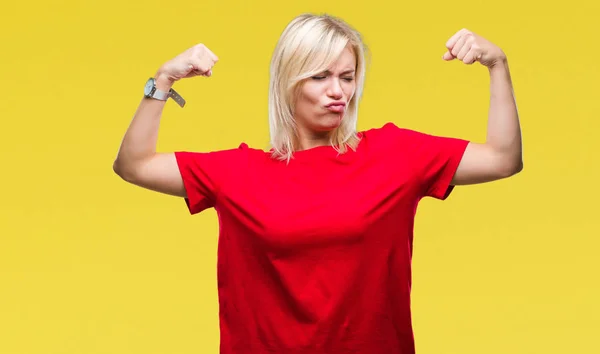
pixel 471 56
pixel 463 51
pixel 190 69
pixel 452 41
pixel 195 68
pixel 459 45
pixel 212 55
pixel 448 56
pixel 209 64
pixel 201 66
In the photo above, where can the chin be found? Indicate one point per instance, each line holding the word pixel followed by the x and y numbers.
pixel 325 128
pixel 329 123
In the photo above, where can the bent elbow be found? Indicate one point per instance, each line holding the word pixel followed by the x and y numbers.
pixel 116 167
pixel 121 171
pixel 519 166
pixel 511 168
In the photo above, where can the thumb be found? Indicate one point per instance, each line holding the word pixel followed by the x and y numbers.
pixel 448 56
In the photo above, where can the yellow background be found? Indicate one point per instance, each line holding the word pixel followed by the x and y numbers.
pixel 92 265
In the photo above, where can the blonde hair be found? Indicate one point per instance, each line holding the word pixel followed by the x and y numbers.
pixel 309 45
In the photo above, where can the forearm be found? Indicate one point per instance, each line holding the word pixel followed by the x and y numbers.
pixel 140 140
pixel 504 131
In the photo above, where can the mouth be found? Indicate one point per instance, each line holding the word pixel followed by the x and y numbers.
pixel 337 107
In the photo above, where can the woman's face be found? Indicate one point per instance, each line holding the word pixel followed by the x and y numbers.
pixel 323 99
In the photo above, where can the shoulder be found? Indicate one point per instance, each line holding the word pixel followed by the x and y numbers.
pixel 221 159
pixel 391 135
pixel 240 152
pixel 411 143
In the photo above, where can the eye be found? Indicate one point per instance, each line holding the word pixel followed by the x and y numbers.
pixel 349 79
pixel 318 77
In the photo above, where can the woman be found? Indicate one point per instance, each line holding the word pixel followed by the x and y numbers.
pixel 316 234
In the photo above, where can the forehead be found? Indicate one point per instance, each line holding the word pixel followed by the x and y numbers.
pixel 346 60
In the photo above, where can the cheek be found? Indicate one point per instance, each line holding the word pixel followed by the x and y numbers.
pixel 305 106
pixel 350 89
pixel 311 96
pixel 305 103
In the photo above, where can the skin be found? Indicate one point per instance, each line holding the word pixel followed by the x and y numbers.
pixel 500 156
pixel 315 122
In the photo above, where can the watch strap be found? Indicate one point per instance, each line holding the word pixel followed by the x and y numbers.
pixel 159 95
pixel 163 96
pixel 177 98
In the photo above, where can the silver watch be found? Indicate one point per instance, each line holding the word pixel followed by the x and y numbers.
pixel 150 91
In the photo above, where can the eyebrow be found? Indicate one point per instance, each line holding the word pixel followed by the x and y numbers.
pixel 345 72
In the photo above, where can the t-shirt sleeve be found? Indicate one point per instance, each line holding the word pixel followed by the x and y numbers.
pixel 434 159
pixel 204 174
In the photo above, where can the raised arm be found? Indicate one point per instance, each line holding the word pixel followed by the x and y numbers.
pixel 501 154
pixel 137 160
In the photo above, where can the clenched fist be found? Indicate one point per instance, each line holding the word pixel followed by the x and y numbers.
pixel 469 47
pixel 196 61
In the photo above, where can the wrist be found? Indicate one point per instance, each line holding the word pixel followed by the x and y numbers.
pixel 163 82
pixel 500 64
pixel 499 72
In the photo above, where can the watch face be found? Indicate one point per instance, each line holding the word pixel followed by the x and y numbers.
pixel 148 87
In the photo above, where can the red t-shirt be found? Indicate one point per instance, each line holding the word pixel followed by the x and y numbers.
pixel 314 257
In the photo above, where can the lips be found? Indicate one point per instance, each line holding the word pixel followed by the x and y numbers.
pixel 336 107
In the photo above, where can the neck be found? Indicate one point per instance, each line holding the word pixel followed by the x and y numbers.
pixel 312 140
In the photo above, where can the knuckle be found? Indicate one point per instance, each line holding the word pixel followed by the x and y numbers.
pixel 199 49
pixel 205 65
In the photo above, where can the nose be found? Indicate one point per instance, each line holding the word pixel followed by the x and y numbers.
pixel 335 89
